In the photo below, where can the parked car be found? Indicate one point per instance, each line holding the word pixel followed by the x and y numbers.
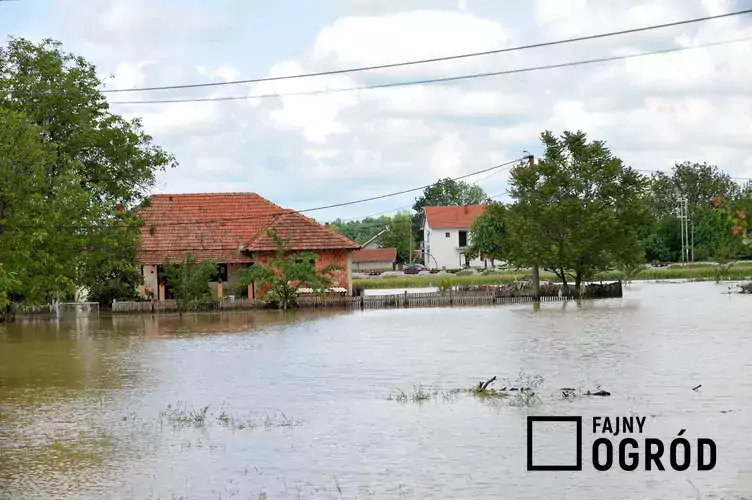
pixel 414 268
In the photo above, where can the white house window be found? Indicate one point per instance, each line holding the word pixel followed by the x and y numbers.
pixel 463 238
pixel 447 235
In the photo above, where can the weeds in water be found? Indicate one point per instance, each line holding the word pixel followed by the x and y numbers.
pixel 519 392
pixel 421 394
pixel 268 422
pixel 178 416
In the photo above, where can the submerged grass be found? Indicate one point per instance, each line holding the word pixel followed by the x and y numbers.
pixel 179 416
pixel 699 271
pixel 421 393
pixel 521 391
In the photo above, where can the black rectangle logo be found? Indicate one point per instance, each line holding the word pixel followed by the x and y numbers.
pixel 566 467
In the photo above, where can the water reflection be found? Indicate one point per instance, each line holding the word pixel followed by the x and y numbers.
pixel 83 403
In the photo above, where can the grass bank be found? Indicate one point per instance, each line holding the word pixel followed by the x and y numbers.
pixel 702 271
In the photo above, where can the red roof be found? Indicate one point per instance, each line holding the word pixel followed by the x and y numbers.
pixel 304 234
pixel 461 217
pixel 375 255
pixel 220 225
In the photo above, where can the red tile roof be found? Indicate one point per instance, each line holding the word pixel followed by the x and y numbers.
pixel 375 255
pixel 304 234
pixel 460 217
pixel 219 225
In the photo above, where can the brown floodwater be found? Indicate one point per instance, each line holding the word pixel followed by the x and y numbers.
pixel 88 405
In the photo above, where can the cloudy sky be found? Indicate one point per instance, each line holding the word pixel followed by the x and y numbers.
pixel 308 151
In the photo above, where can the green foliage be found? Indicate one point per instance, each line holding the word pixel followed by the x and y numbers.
pixel 7 282
pixel 190 281
pixel 110 269
pixel 66 161
pixel 286 272
pixel 488 234
pixel 736 212
pixel 578 211
pixel 361 231
pixel 699 183
pixel 399 235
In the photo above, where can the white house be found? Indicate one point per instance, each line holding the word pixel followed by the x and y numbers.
pixel 446 233
pixel 374 242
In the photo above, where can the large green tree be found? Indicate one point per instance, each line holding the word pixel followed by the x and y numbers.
pixel 698 183
pixel 577 211
pixel 34 205
pixel 83 160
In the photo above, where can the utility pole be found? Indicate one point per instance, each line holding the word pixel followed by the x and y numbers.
pixel 536 270
pixel 693 235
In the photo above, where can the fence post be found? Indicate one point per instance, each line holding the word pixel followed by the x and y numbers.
pixel 361 300
pixel 405 298
pixel 451 296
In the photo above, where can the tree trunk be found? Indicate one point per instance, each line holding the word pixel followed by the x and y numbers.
pixel 578 282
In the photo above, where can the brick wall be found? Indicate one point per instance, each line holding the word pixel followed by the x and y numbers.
pixel 325 258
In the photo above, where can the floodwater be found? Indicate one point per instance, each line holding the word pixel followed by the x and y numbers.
pixel 84 403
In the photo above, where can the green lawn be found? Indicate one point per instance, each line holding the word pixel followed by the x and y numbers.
pixel 739 271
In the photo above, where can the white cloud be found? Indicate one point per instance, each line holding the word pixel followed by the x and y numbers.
pixel 304 151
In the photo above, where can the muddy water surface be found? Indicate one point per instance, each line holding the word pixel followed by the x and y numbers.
pixel 298 407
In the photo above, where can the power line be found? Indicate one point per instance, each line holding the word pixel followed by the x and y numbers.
pixel 410 206
pixel 281 212
pixel 442 79
pixel 438 59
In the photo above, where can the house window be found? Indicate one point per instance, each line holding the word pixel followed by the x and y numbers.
pixel 310 261
pixel 447 235
pixel 220 274
pixel 463 238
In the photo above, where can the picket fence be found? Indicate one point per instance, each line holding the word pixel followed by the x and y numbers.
pixel 450 298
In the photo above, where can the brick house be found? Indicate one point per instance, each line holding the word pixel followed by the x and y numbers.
pixel 230 228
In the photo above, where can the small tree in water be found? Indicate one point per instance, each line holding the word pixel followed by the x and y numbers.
pixel 287 272
pixel 190 280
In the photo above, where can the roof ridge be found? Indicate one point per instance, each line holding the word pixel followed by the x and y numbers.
pixel 260 233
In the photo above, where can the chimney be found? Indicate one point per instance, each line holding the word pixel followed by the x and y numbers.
pixel 119 207
pixel 465 209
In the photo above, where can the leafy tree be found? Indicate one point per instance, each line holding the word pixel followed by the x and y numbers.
pixel 7 283
pixel 488 234
pixel 287 272
pixel 71 161
pixel 189 280
pixel 110 269
pixel 444 193
pixel 578 211
pixel 33 207
pixel 399 235
pixel 699 183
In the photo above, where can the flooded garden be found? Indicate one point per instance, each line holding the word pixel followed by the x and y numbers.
pixel 373 404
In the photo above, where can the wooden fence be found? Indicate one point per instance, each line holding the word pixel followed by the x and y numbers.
pixel 469 296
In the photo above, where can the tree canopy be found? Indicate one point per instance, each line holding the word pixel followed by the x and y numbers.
pixel 66 164
pixel 578 211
